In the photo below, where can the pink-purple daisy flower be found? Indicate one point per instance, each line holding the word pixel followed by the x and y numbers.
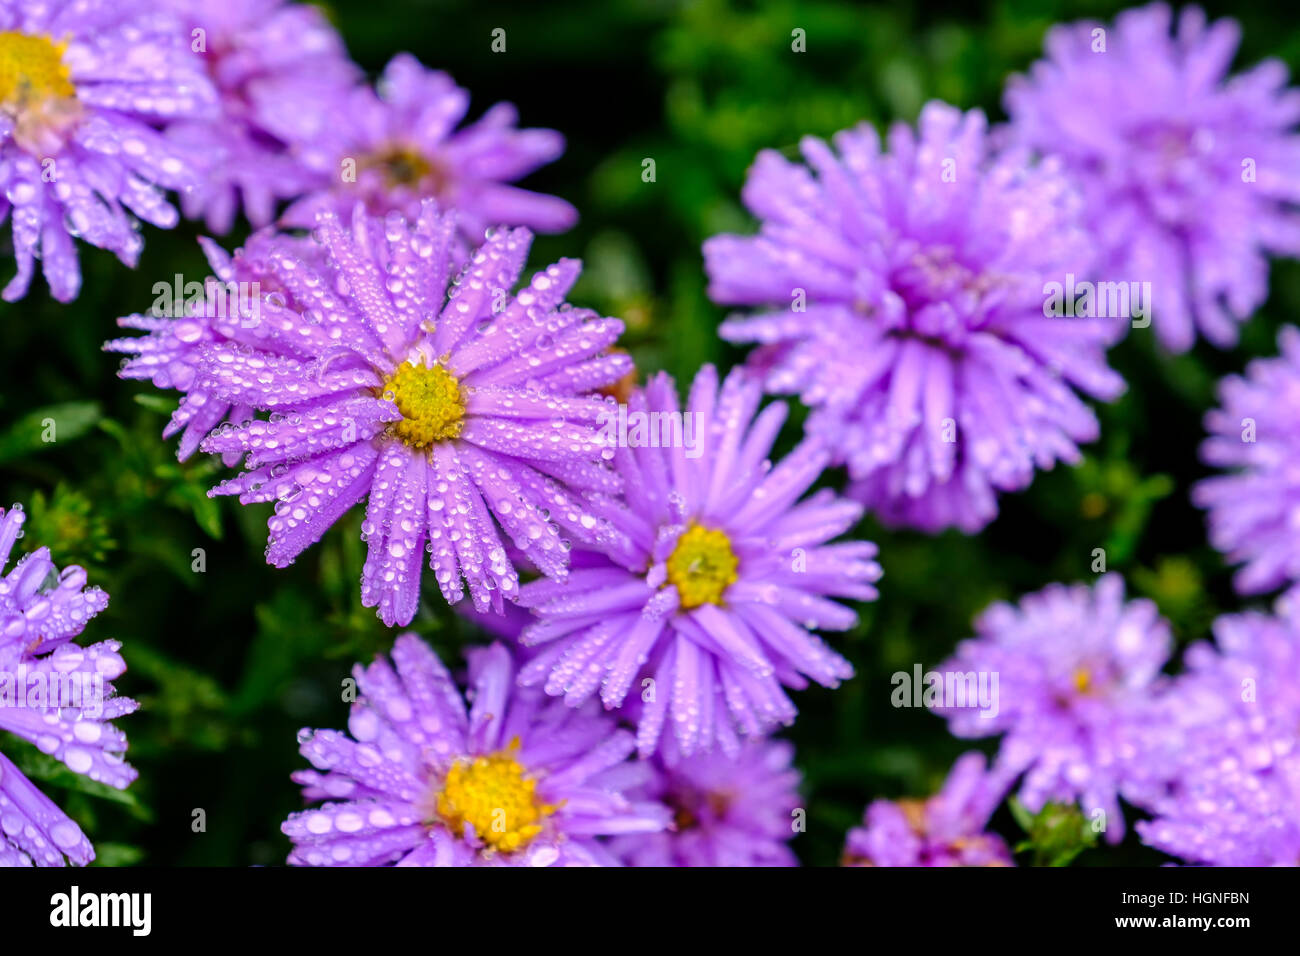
pixel 515 779
pixel 1074 671
pixel 946 829
pixel 714 578
pixel 1191 176
pixel 398 146
pixel 726 811
pixel 55 694
pixel 1254 509
pixel 281 74
pixel 450 404
pixel 86 90
pixel 932 259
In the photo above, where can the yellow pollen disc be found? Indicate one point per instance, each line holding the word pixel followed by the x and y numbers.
pixel 702 566
pixel 32 70
pixel 495 796
pixel 431 403
pixel 1082 680
pixel 404 166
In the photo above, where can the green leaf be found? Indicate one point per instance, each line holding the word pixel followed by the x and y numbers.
pixel 207 512
pixel 48 426
pixel 162 404
pixel 116 854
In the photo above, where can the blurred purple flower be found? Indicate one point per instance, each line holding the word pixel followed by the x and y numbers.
pixel 1230 749
pixel 55 694
pixel 716 575
pixel 930 261
pixel 85 92
pixel 1190 176
pixel 395 148
pixel 1077 672
pixel 517 780
pixel 726 811
pixel 454 410
pixel 944 830
pixel 1254 511
pixel 281 74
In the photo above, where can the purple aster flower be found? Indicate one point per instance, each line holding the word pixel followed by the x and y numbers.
pixel 932 259
pixel 1073 672
pixel 1190 176
pixel 715 576
pixel 944 830
pixel 726 811
pixel 55 694
pixel 452 418
pixel 517 780
pixel 280 71
pixel 1254 511
pixel 395 148
pixel 85 90
pixel 1231 747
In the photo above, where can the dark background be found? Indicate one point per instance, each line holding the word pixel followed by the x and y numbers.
pixel 230 663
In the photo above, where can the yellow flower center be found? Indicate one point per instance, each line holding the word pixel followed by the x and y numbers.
pixel 495 796
pixel 702 566
pixel 1083 680
pixel 406 166
pixel 31 70
pixel 431 403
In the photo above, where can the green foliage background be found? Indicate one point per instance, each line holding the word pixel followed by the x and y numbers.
pixel 230 663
